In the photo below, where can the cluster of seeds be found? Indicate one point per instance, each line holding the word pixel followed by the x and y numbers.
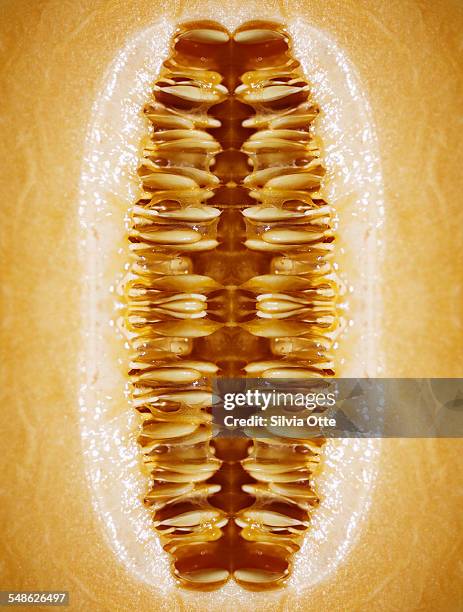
pixel 222 507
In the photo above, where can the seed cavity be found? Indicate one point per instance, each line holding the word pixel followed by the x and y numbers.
pixel 231 274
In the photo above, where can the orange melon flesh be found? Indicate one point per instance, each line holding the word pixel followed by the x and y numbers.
pixel 405 551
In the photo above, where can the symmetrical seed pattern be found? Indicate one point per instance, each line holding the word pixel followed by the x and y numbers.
pixel 231 274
